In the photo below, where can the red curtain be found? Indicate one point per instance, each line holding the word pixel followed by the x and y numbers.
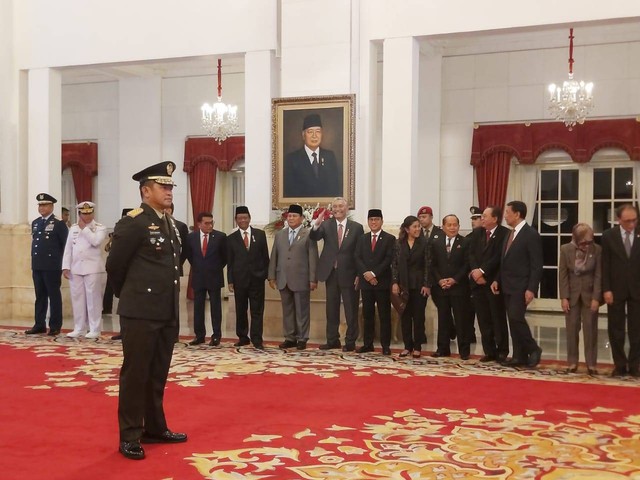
pixel 202 159
pixel 82 159
pixel 492 176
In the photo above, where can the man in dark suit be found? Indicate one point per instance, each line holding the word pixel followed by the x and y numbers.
pixel 450 287
pixel 621 289
pixel 518 279
pixel 292 269
pixel 207 254
pixel 247 268
pixel 337 268
pixel 485 251
pixel 374 254
pixel 48 239
pixel 143 270
pixel 312 171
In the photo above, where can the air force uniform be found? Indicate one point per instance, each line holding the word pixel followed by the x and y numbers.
pixel 83 259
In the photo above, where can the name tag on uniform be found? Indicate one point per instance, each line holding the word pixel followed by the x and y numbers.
pixel 49 228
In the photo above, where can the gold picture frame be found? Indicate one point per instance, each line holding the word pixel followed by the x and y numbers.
pixel 294 177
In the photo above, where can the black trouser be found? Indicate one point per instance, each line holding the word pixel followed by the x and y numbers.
pixel 412 321
pixel 147 347
pixel 47 287
pixel 616 327
pixel 492 319
pixel 349 297
pixel 371 298
pixel 251 297
pixel 453 310
pixel 523 342
pixel 200 295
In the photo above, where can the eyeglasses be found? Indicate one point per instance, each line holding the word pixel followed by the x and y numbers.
pixel 585 243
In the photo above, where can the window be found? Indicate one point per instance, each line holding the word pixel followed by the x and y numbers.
pixel 569 193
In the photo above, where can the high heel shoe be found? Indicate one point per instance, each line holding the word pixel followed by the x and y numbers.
pixel 405 353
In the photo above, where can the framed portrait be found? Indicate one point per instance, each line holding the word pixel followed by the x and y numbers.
pixel 313 150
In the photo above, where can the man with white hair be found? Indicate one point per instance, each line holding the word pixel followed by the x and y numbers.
pixel 83 266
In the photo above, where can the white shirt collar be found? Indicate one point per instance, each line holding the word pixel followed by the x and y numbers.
pixel 518 227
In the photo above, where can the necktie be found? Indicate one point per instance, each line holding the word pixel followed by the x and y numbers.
pixel 448 246
pixel 488 235
pixel 339 235
pixel 314 164
pixel 204 244
pixel 627 243
pixel 292 236
pixel 509 241
pixel 374 239
pixel 246 240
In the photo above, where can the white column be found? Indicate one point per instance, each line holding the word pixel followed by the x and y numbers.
pixel 399 127
pixel 426 183
pixel 44 128
pixel 261 81
pixel 140 135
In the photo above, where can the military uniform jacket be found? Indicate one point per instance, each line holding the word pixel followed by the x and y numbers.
pixel 48 240
pixel 143 266
pixel 83 251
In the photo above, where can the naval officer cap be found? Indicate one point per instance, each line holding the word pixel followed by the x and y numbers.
pixel 312 120
pixel 475 212
pixel 86 207
pixel 159 173
pixel 44 198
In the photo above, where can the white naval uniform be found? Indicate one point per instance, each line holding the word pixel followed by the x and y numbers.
pixel 83 258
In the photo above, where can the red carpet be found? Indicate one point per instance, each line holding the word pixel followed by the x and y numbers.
pixel 314 415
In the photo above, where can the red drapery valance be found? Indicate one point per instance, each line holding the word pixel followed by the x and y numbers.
pixel 203 156
pixel 494 145
pixel 82 158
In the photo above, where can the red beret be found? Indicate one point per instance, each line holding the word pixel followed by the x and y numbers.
pixel 424 210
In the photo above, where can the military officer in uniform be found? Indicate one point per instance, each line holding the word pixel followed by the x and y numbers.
pixel 144 271
pixel 83 266
pixel 49 236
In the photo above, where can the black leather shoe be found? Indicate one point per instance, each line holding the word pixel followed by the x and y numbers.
pixel 349 347
pixel 34 331
pixel 132 450
pixel 117 337
pixel 440 354
pixel 501 357
pixel 288 344
pixel 634 373
pixel 53 333
pixel 464 356
pixel 512 362
pixel 214 342
pixel 241 343
pixel 592 371
pixel 619 372
pixel 330 346
pixel 196 341
pixel 534 358
pixel 258 346
pixel 301 346
pixel 365 349
pixel 386 351
pixel 164 437
pixel 487 358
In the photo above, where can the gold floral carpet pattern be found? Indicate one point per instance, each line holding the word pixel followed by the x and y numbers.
pixel 328 415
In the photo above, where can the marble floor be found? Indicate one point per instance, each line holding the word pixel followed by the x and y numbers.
pixel 549 331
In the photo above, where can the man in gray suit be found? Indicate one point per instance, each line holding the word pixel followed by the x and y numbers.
pixel 337 268
pixel 292 268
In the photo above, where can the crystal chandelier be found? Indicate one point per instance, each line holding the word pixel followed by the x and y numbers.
pixel 572 102
pixel 219 120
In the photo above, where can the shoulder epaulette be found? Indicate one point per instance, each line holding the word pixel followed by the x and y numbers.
pixel 135 212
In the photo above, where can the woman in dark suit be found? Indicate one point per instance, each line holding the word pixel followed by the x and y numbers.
pixel 580 274
pixel 409 271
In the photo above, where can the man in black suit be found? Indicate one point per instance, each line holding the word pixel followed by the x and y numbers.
pixel 337 268
pixel 485 251
pixel 247 268
pixel 48 239
pixel 207 254
pixel 621 289
pixel 425 217
pixel 450 287
pixel 374 254
pixel 518 279
pixel 312 171
pixel 143 270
